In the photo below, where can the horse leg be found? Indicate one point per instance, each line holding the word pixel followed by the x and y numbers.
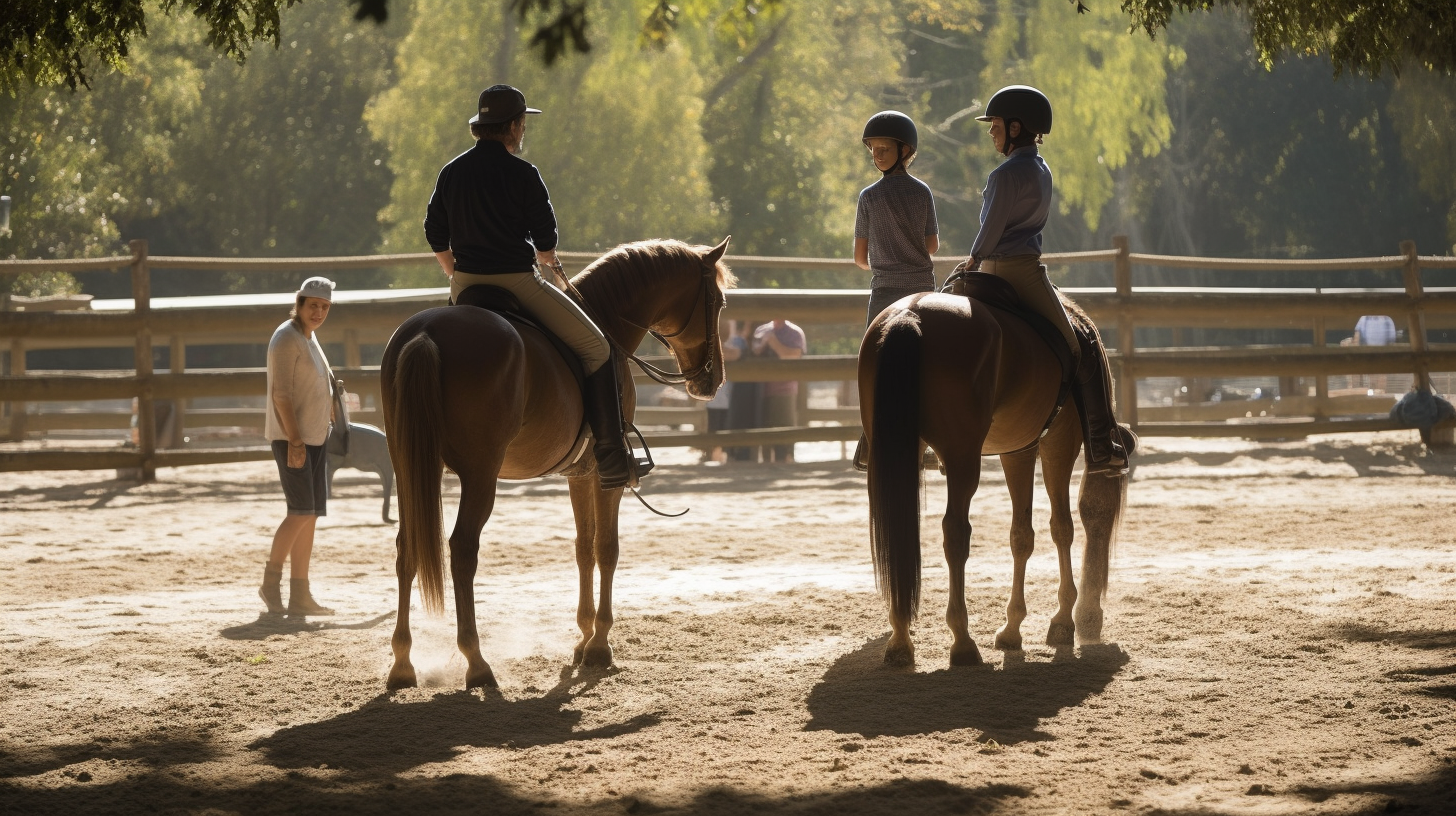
pixel 402 673
pixel 598 650
pixel 1100 504
pixel 477 500
pixel 1058 456
pixel 583 508
pixel 1020 470
pixel 963 476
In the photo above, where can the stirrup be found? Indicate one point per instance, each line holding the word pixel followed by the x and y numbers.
pixel 861 459
pixel 636 467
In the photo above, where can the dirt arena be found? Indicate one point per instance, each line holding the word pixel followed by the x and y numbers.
pixel 1281 639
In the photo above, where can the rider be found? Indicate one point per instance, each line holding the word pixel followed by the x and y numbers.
pixel 1016 202
pixel 490 222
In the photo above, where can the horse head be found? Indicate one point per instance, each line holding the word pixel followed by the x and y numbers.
pixel 672 290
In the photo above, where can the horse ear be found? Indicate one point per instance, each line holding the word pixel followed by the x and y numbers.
pixel 716 253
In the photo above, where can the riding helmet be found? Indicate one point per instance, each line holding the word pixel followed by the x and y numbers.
pixel 1021 102
pixel 892 125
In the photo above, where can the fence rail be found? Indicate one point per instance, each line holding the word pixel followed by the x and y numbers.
pixel 1119 309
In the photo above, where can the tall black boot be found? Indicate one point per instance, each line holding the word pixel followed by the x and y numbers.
pixel 1108 444
pixel 616 465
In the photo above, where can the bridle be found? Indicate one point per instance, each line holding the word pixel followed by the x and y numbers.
pixel 712 298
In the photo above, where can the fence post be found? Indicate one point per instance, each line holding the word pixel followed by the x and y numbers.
pixel 1126 382
pixel 1416 317
pixel 1321 381
pixel 177 364
pixel 141 293
pixel 17 409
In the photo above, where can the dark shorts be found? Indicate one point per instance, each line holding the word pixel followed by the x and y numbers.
pixel 717 419
pixel 306 489
pixel 882 296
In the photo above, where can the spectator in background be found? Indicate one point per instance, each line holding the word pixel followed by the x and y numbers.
pixel 1374 330
pixel 785 341
pixel 743 402
pixel 718 408
pixel 300 408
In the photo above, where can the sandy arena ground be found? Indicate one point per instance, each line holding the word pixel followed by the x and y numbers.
pixel 1281 640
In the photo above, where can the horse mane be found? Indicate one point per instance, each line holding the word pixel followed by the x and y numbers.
pixel 627 270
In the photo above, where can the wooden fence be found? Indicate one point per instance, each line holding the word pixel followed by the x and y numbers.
pixel 1119 309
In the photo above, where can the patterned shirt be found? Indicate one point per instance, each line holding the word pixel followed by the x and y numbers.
pixel 896 214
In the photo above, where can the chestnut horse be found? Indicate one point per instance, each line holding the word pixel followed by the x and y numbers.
pixel 970 381
pixel 466 389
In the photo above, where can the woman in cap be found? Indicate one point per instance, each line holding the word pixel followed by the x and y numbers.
pixel 300 393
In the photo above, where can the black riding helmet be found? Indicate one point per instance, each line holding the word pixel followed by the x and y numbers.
pixel 892 125
pixel 1021 102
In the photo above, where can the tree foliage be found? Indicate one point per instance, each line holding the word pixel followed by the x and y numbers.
pixel 1365 37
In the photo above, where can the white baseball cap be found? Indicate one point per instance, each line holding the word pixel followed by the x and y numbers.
pixel 318 287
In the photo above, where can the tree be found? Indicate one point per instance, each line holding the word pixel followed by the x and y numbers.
pixel 1361 36
pixel 619 144
pixel 203 156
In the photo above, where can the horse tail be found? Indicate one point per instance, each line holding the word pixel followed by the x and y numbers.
pixel 895 465
pixel 415 446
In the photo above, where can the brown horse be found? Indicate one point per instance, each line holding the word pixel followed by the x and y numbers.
pixel 970 381
pixel 467 389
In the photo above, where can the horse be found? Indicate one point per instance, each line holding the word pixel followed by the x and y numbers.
pixel 466 388
pixel 972 380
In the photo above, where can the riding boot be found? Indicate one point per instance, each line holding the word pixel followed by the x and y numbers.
pixel 300 600
pixel 616 464
pixel 1109 445
pixel 862 454
pixel 271 591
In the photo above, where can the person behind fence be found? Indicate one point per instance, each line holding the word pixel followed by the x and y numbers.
pixel 1374 330
pixel 490 221
pixel 719 407
pixel 895 231
pixel 1014 209
pixel 785 341
pixel 300 405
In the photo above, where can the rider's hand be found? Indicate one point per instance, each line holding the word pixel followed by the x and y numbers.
pixel 297 455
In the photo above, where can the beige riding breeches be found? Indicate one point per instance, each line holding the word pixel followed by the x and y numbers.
pixel 557 312
pixel 1028 277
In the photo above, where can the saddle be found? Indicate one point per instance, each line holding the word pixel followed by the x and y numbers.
pixel 504 303
pixel 1000 294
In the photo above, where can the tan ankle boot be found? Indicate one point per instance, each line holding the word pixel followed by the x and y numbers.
pixel 301 602
pixel 271 591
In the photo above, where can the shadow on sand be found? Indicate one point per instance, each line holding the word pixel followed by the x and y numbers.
pixel 860 695
pixel 268 624
pixel 388 736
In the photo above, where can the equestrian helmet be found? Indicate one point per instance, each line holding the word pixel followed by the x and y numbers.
pixel 1021 102
pixel 892 125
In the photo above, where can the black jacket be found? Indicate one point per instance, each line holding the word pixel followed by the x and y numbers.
pixel 492 209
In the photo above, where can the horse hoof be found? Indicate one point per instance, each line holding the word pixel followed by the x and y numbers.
pixel 1089 627
pixel 401 679
pixel 965 656
pixel 597 658
pixel 1061 634
pixel 481 679
pixel 900 656
pixel 1008 641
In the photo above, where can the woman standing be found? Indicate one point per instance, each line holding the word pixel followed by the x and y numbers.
pixel 300 392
